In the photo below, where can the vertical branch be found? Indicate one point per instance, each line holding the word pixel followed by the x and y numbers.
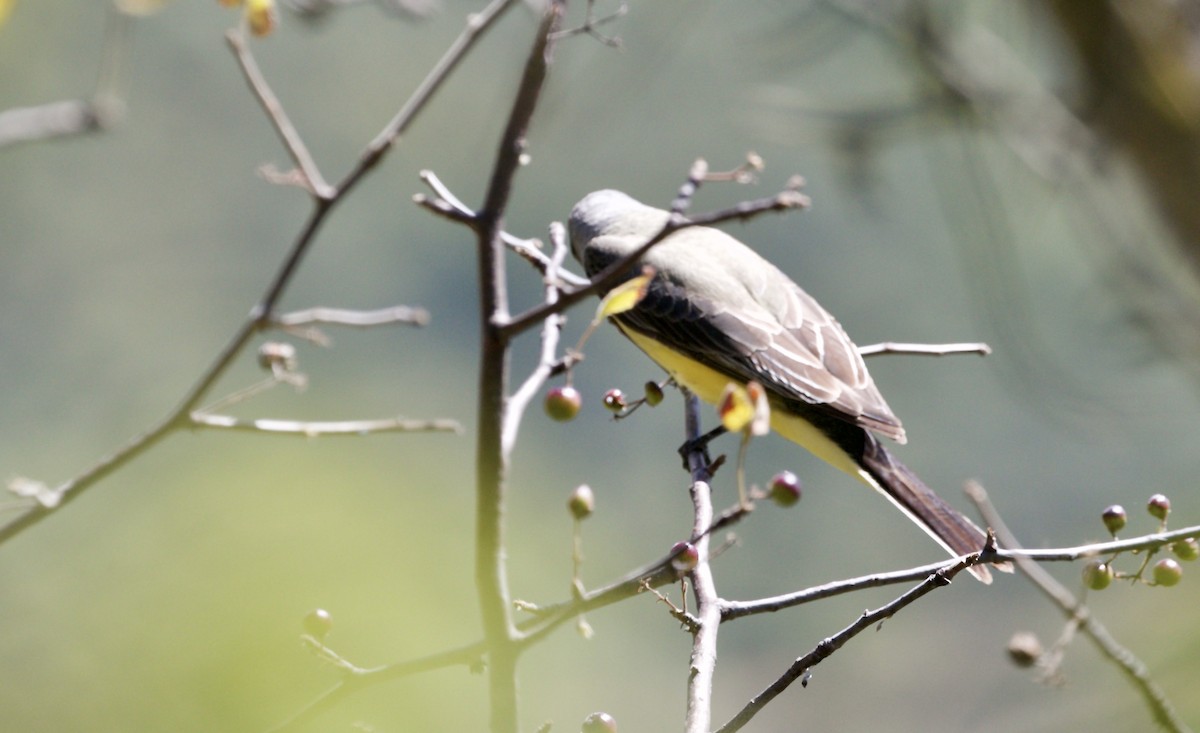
pixel 708 610
pixel 491 460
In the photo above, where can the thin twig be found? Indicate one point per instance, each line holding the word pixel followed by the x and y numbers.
pixel 547 359
pixel 1134 669
pixel 1145 542
pixel 731 610
pixel 893 347
pixel 78 116
pixel 316 429
pixel 687 191
pixel 477 24
pixel 401 314
pixel 451 207
pixel 354 682
pixel 800 669
pixel 292 141
pixel 591 23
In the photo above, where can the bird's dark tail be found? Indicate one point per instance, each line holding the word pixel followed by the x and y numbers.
pixel 951 529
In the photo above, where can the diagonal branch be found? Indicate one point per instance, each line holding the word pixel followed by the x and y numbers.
pixel 800 668
pixel 295 146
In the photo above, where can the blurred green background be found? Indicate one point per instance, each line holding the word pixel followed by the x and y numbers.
pixel 170 597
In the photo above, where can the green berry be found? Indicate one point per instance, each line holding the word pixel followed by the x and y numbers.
pixel 1187 549
pixel 582 502
pixel 785 489
pixel 1097 575
pixel 1159 507
pixel 317 623
pixel 563 403
pixel 654 394
pixel 1114 518
pixel 1167 572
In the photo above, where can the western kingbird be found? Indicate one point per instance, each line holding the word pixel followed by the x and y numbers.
pixel 716 312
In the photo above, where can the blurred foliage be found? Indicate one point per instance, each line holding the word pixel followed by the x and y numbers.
pixel 959 194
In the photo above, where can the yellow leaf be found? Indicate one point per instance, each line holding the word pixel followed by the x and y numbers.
pixel 626 295
pixel 735 408
pixel 6 7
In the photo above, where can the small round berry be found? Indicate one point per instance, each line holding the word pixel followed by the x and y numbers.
pixel 614 400
pixel 1024 649
pixel 317 623
pixel 1097 575
pixel 785 489
pixel 582 502
pixel 1187 549
pixel 563 403
pixel 684 557
pixel 1159 507
pixel 654 394
pixel 599 723
pixel 1114 518
pixel 1167 572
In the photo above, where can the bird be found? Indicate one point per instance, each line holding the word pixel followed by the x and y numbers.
pixel 716 312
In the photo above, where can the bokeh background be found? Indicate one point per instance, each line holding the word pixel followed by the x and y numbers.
pixel 170 597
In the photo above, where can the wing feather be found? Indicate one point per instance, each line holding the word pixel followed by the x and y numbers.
pixel 800 354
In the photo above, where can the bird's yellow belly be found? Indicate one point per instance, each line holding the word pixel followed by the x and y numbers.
pixel 708 384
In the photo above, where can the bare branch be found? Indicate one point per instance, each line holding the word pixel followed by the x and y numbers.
pixel 295 146
pixel 477 25
pixel 78 116
pixel 800 668
pixel 469 655
pixel 310 429
pixel 696 176
pixel 591 25
pixel 1096 549
pixel 547 360
pixel 731 610
pixel 708 608
pixel 451 207
pixel 399 314
pixel 893 347
pixel 54 119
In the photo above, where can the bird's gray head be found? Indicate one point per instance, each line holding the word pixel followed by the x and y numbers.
pixel 611 213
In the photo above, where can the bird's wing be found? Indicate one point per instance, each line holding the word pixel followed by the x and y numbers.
pixel 790 345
